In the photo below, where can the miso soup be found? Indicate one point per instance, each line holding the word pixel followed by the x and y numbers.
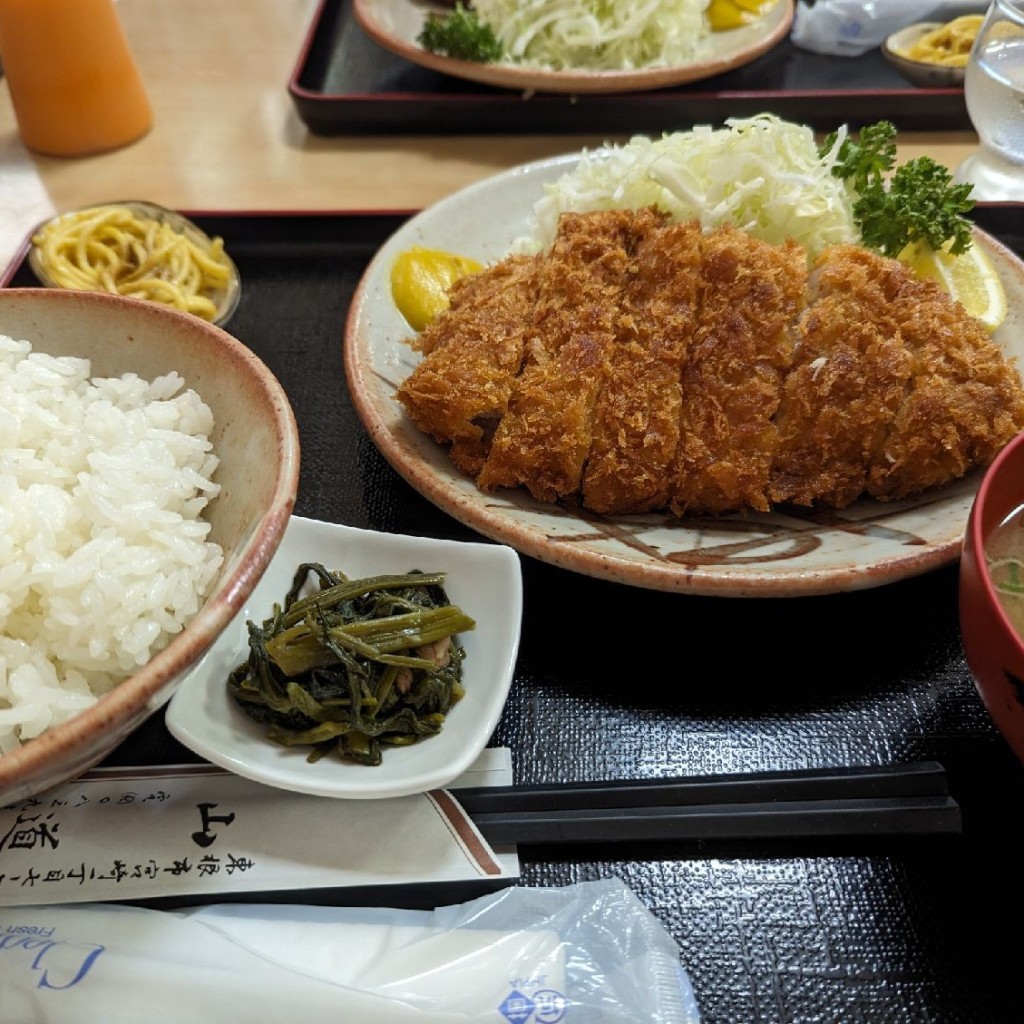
pixel 1004 553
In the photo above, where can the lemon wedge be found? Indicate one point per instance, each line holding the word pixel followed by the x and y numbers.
pixel 970 278
pixel 421 279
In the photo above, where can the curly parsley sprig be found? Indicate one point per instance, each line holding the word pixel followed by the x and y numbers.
pixel 917 202
pixel 460 34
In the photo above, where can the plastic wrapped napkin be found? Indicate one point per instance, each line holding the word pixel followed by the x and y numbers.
pixel 851 27
pixel 586 952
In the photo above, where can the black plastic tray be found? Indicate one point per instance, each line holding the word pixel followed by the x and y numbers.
pixel 620 683
pixel 344 83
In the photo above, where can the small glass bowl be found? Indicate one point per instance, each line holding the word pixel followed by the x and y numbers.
pixel 224 299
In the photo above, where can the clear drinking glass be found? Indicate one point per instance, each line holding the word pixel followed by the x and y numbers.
pixel 994 91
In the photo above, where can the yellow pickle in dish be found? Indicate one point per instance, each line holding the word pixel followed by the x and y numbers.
pixel 141 250
pixel 421 279
pixel 948 44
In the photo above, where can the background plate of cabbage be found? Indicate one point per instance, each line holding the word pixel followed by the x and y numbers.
pixel 581 46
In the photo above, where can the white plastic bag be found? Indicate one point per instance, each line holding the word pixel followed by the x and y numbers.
pixel 582 953
pixel 848 28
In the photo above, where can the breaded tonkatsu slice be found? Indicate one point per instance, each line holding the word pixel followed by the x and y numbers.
pixel 637 414
pixel 849 375
pixel 460 390
pixel 492 292
pixel 732 381
pixel 894 387
pixel 545 436
pixel 964 401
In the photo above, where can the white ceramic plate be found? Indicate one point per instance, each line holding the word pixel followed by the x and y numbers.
pixel 756 555
pixel 483 579
pixel 395 25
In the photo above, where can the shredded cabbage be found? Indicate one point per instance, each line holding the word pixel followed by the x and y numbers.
pixel 762 174
pixel 600 35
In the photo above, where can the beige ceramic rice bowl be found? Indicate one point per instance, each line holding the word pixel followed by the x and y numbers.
pixel 254 439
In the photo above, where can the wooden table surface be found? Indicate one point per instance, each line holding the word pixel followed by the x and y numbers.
pixel 226 135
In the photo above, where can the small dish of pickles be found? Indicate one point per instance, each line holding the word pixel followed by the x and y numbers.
pixel 933 54
pixel 139 249
pixel 360 683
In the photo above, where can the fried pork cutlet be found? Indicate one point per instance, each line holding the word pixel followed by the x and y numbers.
pixel 893 389
pixel 460 390
pixel 545 436
pixel 732 383
pixel 645 366
pixel 964 402
pixel 849 374
pixel 637 413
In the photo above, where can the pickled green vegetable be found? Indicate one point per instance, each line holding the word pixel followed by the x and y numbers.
pixel 355 667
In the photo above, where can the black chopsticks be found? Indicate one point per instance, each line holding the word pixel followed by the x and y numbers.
pixel 904 799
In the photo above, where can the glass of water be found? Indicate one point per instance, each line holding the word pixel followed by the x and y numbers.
pixel 994 91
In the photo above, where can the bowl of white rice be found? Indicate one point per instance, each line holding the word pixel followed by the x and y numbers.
pixel 148 469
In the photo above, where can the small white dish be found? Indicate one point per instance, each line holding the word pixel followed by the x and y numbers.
pixel 483 579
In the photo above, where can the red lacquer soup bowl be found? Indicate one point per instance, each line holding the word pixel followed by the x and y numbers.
pixel 993 645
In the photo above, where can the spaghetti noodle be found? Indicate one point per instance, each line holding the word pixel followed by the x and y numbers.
pixel 120 249
pixel 948 45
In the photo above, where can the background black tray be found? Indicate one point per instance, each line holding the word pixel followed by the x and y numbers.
pixel 345 83
pixel 614 683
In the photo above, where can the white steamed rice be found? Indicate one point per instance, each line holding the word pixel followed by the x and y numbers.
pixel 103 548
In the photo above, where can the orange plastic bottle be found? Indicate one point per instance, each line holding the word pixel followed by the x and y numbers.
pixel 74 83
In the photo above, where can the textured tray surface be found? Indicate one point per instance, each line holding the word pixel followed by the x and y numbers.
pixel 616 683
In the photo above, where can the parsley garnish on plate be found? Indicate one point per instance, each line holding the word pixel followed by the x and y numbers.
pixel 462 35
pixel 916 202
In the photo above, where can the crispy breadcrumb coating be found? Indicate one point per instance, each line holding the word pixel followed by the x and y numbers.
pixel 637 414
pixel 732 383
pixel 544 438
pixel 644 366
pixel 460 391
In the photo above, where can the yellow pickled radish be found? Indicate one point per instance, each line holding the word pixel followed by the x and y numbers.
pixel 421 279
pixel 969 277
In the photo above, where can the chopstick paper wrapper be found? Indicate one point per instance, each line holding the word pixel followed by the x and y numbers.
pixel 196 833
pixel 907 799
